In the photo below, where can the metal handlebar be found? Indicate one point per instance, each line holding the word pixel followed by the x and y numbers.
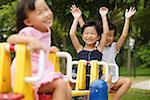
pixel 99 63
pixel 42 56
pixel 37 78
pixel 69 62
pixel 73 63
pixel 106 69
pixel 114 71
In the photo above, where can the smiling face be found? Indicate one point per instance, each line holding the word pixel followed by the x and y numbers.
pixel 110 37
pixel 90 35
pixel 41 17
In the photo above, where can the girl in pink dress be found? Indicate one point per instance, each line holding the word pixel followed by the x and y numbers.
pixel 34 19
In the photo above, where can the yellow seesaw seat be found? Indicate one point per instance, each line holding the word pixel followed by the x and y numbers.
pixel 81 75
pixel 23 73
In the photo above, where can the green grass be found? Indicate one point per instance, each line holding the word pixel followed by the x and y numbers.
pixel 139 71
pixel 137 94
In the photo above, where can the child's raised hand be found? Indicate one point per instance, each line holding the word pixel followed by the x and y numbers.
pixel 129 13
pixel 103 11
pixel 76 12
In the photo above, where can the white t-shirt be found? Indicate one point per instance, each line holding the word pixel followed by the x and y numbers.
pixel 109 53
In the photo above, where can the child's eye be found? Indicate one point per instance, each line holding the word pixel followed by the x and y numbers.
pixel 46 8
pixel 38 12
pixel 91 33
pixel 85 33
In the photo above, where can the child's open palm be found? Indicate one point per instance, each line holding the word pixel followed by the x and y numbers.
pixel 129 13
pixel 103 11
pixel 76 12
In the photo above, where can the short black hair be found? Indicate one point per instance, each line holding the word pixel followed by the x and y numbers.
pixel 92 23
pixel 22 7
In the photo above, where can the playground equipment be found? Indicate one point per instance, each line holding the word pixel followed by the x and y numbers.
pixel 23 77
pixel 5 81
pixel 23 80
pixel 99 90
pixel 114 71
pixel 81 75
pixel 55 59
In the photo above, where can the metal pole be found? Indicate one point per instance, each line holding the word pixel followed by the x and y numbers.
pixel 129 61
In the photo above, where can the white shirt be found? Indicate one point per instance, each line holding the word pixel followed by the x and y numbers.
pixel 109 53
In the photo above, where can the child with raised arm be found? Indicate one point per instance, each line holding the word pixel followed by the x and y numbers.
pixel 91 33
pixel 34 19
pixel 112 49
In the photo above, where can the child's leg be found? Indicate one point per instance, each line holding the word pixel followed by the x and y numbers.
pixel 109 80
pixel 58 89
pixel 122 87
pixel 69 94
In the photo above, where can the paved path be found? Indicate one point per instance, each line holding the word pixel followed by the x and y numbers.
pixel 142 85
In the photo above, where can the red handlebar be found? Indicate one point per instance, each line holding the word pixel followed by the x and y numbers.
pixel 12 48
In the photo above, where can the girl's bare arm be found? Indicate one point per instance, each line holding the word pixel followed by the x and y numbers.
pixel 121 40
pixel 103 11
pixel 32 42
pixel 76 14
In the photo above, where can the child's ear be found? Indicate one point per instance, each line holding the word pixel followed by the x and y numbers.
pixel 27 22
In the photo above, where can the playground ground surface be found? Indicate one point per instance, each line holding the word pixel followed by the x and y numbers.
pixel 140 89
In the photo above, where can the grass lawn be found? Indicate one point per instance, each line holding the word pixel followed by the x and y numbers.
pixel 139 71
pixel 137 94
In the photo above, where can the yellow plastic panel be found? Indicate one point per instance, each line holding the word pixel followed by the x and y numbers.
pixel 5 63
pixel 55 60
pixel 23 69
pixel 81 76
pixel 94 71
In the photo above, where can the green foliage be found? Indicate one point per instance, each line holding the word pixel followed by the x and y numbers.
pixel 143 54
pixel 141 21
pixel 139 24
pixel 7 18
pixel 58 33
pixel 5 2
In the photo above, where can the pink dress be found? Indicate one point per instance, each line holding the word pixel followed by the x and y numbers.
pixel 49 74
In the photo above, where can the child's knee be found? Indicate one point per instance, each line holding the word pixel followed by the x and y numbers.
pixel 61 83
pixel 128 82
pixel 69 88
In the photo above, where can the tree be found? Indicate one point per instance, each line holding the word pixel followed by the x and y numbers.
pixel 7 17
pixel 139 26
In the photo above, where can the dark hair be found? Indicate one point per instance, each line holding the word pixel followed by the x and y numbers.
pixel 92 23
pixel 21 11
pixel 112 27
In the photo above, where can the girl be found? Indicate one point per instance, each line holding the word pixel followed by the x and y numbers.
pixel 112 49
pixel 91 33
pixel 34 19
